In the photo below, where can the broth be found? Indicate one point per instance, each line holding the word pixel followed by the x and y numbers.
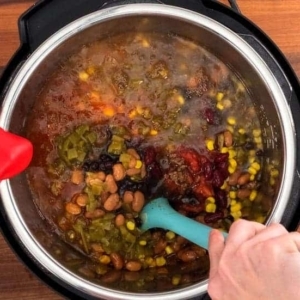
pixel 131 118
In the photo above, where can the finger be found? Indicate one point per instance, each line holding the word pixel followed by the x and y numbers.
pixel 215 249
pixel 272 231
pixel 289 242
pixel 242 231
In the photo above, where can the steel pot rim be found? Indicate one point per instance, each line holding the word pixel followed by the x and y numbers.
pixel 77 26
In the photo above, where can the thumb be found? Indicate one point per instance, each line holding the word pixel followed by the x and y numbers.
pixel 215 249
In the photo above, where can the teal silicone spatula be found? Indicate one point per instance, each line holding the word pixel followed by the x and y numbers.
pixel 159 214
pixel 15 154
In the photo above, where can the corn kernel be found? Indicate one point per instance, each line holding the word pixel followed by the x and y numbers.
pixel 252 171
pixel 236 207
pixel 260 219
pixel 252 153
pixel 160 261
pixel 231 121
pixel 236 215
pixel 90 70
pixel 219 96
pixel 272 181
pixel 150 262
pixel 132 114
pixel 138 164
pixel 232 163
pixel 258 140
pixel 210 208
pixel 139 110
pixel 242 131
pixel 230 128
pixel 220 106
pixel 176 279
pixel 256 132
pixel 224 185
pixel 180 99
pixel 274 172
pixel 145 43
pixel 130 225
pixel 210 144
pixel 83 76
pixel 143 243
pixel 252 177
pixel 104 259
pixel 170 235
pixel 255 165
pixel 251 160
pixel 169 250
pixel 233 202
pixel 232 153
pixel 224 150
pixel 232 194
pixel 253 195
pixel 210 199
pixel 153 132
pixel 231 170
pixel 109 111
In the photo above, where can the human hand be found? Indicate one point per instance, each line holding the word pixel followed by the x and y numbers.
pixel 256 262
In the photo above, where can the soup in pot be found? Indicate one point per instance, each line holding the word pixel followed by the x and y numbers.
pixel 131 118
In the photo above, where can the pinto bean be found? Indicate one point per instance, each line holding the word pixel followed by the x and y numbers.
pixel 111 184
pixel 94 214
pixel 133 265
pixel 112 202
pixel 82 199
pixel 132 163
pixel 228 139
pixel 77 177
pixel 133 171
pixel 187 255
pixel 133 153
pixel 128 197
pixel 160 246
pixel 243 179
pixel 73 208
pixel 118 172
pixel 111 276
pixel 243 193
pixel 117 260
pixel 120 220
pixel 233 178
pixel 138 201
pixel 131 276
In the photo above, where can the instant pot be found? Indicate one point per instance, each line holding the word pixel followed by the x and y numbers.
pixel 52 28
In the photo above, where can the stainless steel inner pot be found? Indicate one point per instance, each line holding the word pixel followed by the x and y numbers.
pixel 277 123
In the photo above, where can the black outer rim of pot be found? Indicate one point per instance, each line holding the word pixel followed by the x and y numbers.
pixel 39 15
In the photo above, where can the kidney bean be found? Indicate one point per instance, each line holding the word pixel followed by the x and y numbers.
pixel 207 170
pixel 111 184
pixel 133 265
pixel 138 201
pixel 219 157
pixel 119 172
pixel 112 202
pixel 223 168
pixel 117 260
pixel 213 217
pixel 221 199
pixel 243 179
pixel 217 179
pixel 149 156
